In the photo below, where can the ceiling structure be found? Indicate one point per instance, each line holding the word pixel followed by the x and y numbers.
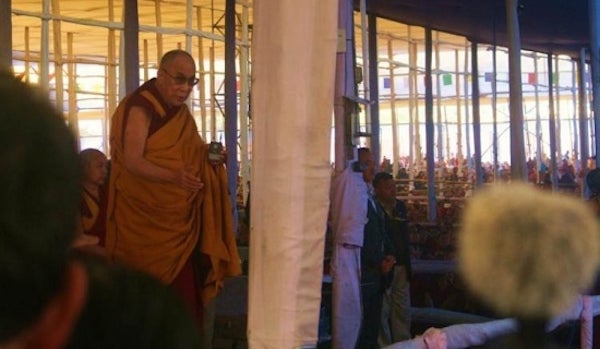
pixel 555 26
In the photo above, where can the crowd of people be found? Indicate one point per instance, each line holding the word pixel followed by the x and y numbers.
pixel 87 242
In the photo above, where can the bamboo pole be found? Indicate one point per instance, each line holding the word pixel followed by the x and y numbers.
pixel 415 95
pixel 574 129
pixel 467 110
pixel 58 61
pixel 495 111
pixel 27 57
pixel 146 59
pixel 438 86
pixel 201 76
pixel 583 115
pixel 556 85
pixel 412 101
pixel 476 114
pixel 213 112
pixel 429 128
pixel 459 126
pixel 395 145
pixel 552 125
pixel 43 68
pixel 538 120
pixel 111 78
pixel 244 102
pixel 72 73
pixel 159 35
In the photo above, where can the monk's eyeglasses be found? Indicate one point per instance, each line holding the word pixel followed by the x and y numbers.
pixel 182 80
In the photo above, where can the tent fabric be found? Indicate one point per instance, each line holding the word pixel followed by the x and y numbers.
pixel 293 70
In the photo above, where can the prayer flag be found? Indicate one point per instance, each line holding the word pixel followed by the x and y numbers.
pixel 532 78
pixel 447 79
pixel 489 77
pixel 386 82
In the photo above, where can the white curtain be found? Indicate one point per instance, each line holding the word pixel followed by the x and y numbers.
pixel 293 68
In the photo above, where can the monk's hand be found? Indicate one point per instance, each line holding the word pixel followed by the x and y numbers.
pixel 187 180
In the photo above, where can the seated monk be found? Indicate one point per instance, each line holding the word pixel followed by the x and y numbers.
pixel 92 230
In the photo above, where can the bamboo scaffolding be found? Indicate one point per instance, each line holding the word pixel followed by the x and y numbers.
pixel 72 86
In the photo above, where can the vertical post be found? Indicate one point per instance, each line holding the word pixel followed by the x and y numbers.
pixel 27 53
pixel 6 34
pixel 467 110
pixel 231 120
pixel 594 10
pixel 146 59
pixel 44 70
pixel 476 114
pixel 373 89
pixel 555 84
pixel 58 59
pixel 72 88
pixel 201 76
pixel 429 127
pixel 517 145
pixel 459 126
pixel 438 85
pixel 213 106
pixel 552 125
pixel 395 151
pixel 574 128
pixel 159 36
pixel 583 131
pixel 538 118
pixel 495 111
pixel 413 113
pixel 131 46
pixel 244 103
pixel 111 77
pixel 344 82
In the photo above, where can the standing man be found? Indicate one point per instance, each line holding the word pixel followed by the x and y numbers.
pixel 168 209
pixel 395 317
pixel 349 199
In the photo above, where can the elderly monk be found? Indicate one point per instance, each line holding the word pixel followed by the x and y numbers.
pixel 168 211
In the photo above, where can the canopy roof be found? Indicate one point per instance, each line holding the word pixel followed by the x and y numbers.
pixel 556 26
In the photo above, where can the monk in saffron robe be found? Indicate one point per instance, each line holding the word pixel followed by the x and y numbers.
pixel 169 212
pixel 93 200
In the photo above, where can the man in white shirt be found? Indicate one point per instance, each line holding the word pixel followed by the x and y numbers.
pixel 349 199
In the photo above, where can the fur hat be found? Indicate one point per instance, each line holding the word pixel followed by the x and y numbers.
pixel 526 252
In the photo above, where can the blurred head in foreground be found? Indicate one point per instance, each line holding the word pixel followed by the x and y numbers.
pixel 50 297
pixel 527 253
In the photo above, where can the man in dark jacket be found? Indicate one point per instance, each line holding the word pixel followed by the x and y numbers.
pixel 396 301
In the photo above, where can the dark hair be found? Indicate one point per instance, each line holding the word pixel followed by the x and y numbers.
pixel 592 179
pixel 86 155
pixel 40 178
pixel 380 177
pixel 130 309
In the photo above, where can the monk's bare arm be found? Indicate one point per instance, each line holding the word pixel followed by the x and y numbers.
pixel 136 134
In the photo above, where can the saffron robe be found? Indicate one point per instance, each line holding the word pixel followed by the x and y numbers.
pixel 93 214
pixel 155 226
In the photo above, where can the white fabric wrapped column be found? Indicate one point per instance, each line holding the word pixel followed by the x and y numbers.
pixel 294 48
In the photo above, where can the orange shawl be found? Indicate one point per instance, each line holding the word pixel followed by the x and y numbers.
pixel 155 227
